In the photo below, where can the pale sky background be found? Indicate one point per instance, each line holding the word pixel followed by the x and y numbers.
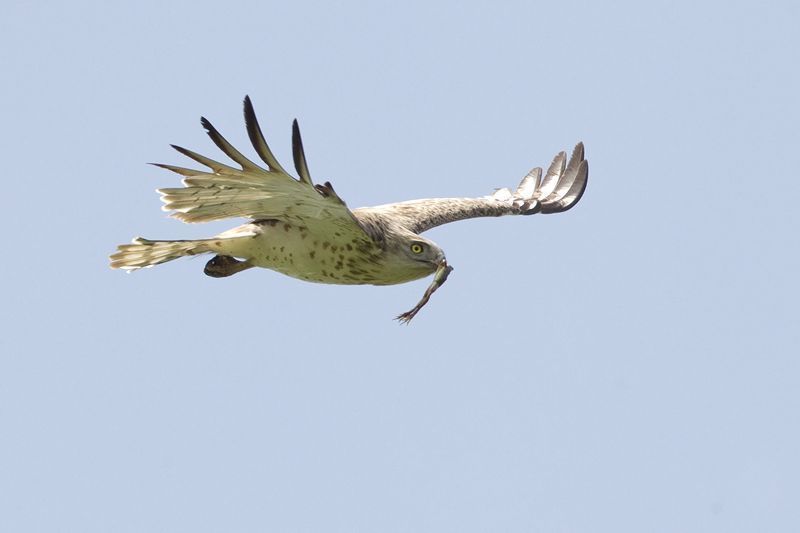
pixel 628 366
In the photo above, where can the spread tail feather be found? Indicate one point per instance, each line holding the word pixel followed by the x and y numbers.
pixel 144 253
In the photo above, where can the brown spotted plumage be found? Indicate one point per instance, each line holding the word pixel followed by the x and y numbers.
pixel 307 231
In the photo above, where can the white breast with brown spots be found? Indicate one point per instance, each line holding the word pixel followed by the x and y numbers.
pixel 293 250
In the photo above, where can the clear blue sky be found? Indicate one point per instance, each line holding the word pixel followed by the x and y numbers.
pixel 631 365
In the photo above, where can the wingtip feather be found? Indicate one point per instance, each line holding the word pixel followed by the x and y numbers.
pixel 300 163
pixel 257 138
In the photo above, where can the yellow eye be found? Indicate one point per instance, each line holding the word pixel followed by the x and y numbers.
pixel 416 248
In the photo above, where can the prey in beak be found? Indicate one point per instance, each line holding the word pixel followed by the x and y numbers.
pixel 439 277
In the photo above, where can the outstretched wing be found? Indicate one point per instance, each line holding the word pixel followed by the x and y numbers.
pixel 253 191
pixel 559 190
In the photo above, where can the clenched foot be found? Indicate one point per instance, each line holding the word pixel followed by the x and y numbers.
pixel 222 266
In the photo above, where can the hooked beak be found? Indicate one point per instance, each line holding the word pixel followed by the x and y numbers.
pixel 440 262
pixel 442 271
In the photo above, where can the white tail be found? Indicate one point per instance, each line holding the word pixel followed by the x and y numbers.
pixel 143 253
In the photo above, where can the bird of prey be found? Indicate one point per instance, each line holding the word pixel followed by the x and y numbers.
pixel 307 231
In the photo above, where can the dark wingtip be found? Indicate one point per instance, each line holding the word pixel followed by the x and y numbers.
pixel 257 137
pixel 250 119
pixel 300 163
pixel 248 106
pixel 583 168
pixel 297 139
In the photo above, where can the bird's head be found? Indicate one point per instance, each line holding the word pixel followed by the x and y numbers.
pixel 410 256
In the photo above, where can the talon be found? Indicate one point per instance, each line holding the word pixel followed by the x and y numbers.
pixel 222 266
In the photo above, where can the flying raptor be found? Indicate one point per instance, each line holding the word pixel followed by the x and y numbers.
pixel 307 231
